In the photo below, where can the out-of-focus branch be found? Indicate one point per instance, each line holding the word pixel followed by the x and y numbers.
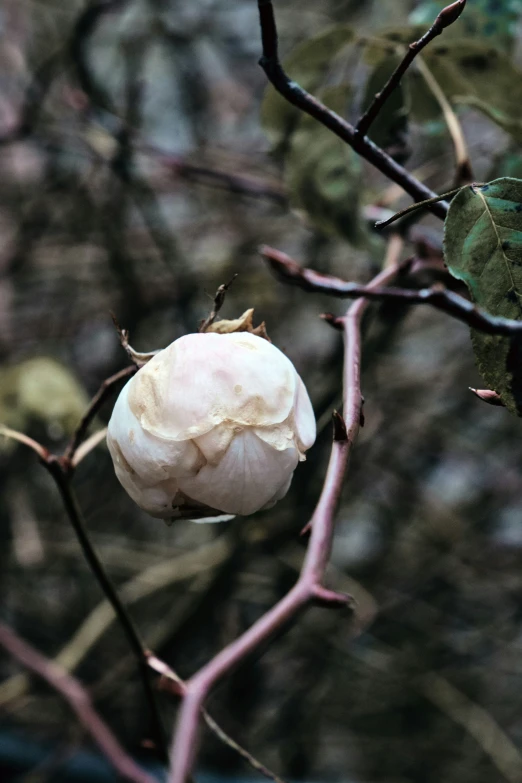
pixel 82 32
pixel 79 701
pixel 241 184
pixel 172 683
pixel 299 97
pixel 309 587
pixel 33 99
pixel 445 18
pixel 464 172
pixel 289 271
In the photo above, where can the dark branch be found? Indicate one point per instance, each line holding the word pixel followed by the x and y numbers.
pixel 219 301
pixel 289 271
pixel 446 17
pixel 62 476
pixel 97 401
pixel 299 97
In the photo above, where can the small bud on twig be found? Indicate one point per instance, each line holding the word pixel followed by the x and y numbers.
pixel 489 396
pixel 450 14
pixel 339 427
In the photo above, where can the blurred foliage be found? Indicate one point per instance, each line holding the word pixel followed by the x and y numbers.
pixel 142 180
pixel 493 20
pixel 41 390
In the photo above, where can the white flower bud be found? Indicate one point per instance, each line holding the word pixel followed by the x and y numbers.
pixel 213 423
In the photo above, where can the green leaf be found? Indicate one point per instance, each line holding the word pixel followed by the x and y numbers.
pixel 43 390
pixel 483 247
pixel 308 64
pixel 466 69
pixel 323 174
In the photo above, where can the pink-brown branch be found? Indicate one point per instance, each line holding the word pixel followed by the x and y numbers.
pixel 309 587
pixel 79 701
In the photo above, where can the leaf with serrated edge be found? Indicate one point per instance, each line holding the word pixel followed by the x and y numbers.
pixel 483 247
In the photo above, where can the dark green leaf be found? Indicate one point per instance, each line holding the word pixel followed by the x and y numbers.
pixel 483 247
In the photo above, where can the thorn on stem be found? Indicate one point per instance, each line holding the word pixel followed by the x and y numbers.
pixel 306 529
pixel 331 598
pixel 489 396
pixel 332 320
pixel 339 427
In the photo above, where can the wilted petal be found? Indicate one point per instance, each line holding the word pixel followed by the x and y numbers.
pixel 215 442
pixel 247 477
pixel 304 417
pixel 156 501
pixel 279 494
pixel 153 458
pixel 202 380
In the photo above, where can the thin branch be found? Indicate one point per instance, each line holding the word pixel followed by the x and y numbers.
pixel 78 699
pixel 61 476
pixel 97 401
pixel 309 587
pixel 414 207
pixel 6 432
pixel 219 301
pixel 477 721
pixel 241 184
pixel 83 30
pixel 289 271
pixel 148 582
pixel 299 97
pixel 33 100
pixel 176 686
pixel 87 446
pixel 139 359
pixel 446 17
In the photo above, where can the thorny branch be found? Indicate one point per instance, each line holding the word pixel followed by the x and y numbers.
pixel 79 701
pixel 289 271
pixel 299 97
pixel 309 587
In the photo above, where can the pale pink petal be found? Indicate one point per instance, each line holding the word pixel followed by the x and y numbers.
pixel 248 476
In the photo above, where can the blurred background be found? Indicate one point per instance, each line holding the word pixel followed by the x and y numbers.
pixel 142 163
